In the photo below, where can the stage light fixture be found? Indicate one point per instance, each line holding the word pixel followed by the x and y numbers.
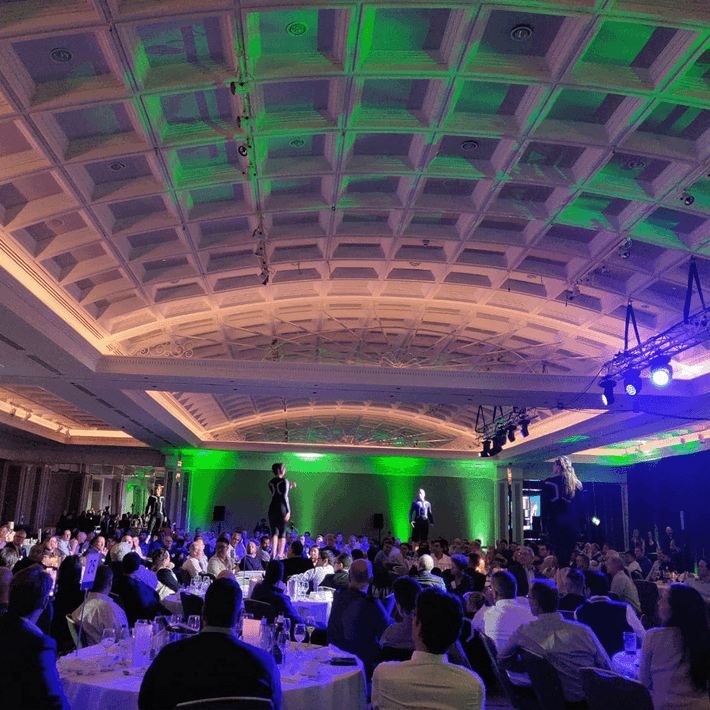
pixel 524 424
pixel 486 449
pixel 661 371
pixel 633 383
pixel 511 434
pixel 607 385
pixel 595 520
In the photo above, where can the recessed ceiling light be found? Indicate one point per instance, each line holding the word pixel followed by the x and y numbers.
pixel 297 142
pixel 60 55
pixel 636 164
pixel 55 223
pixel 521 33
pixel 469 145
pixel 296 29
pixel 118 165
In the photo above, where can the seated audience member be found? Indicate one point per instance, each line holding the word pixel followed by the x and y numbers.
pixel 97 546
pixel 295 562
pixel 632 566
pixel 250 562
pixel 621 584
pixel 701 581
pixel 458 582
pixel 675 658
pixel 64 544
pixel 441 560
pixel 567 645
pixel 425 565
pixel 8 557
pixel 196 563
pixel 139 600
pixel 270 592
pixel 400 634
pixel 323 567
pixel 18 542
pixel 5 579
pixel 499 621
pixel 664 564
pixel 428 679
pixel 67 598
pixel 34 557
pixel 357 620
pixel 606 618
pixel 263 552
pixel 574 590
pixel 644 563
pixel 99 610
pixel 220 665
pixel 163 568
pixel 220 560
pixel 28 673
pixel 581 563
pixel 237 549
pixel 523 570
pixel 479 579
pixel 340 577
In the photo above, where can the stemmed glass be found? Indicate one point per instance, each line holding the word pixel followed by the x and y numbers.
pixel 299 633
pixel 310 627
pixel 124 639
pixel 283 641
pixel 266 638
pixel 108 637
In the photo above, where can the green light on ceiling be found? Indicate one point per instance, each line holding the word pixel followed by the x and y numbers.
pixel 309 457
pixel 572 439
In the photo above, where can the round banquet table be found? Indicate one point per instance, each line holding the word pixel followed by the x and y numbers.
pixel 626 664
pixel 327 686
pixel 319 609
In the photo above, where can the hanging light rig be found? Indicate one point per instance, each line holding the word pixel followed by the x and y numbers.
pixel 502 427
pixel 655 353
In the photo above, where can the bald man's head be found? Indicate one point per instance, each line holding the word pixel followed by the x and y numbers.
pixel 360 574
pixel 426 563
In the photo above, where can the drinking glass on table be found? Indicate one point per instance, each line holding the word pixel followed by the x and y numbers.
pixel 310 627
pixel 283 641
pixel 266 638
pixel 299 633
pixel 193 622
pixel 108 637
pixel 287 625
pixel 124 639
pixel 630 642
pixel 175 619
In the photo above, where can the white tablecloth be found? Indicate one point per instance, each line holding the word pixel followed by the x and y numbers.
pixel 341 687
pixel 319 610
pixel 173 604
pixel 626 664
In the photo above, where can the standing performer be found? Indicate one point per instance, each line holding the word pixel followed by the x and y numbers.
pixel 279 509
pixel 562 509
pixel 420 516
pixel 156 510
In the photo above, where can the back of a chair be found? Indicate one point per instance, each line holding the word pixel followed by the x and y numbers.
pixel 73 631
pixel 260 610
pixel 233 703
pixel 648 598
pixel 500 674
pixel 605 690
pixel 545 680
pixel 191 604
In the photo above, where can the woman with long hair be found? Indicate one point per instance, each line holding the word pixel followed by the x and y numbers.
pixel 675 659
pixel 279 509
pixel 163 568
pixel 67 598
pixel 562 509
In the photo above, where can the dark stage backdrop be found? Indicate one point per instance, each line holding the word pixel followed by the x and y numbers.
pixel 660 490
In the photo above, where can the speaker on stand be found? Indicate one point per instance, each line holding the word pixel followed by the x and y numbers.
pixel 378 523
pixel 218 516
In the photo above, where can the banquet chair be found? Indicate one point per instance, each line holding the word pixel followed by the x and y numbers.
pixel 260 610
pixel 648 598
pixel 545 680
pixel 74 631
pixel 191 604
pixel 520 696
pixel 605 690
pixel 232 703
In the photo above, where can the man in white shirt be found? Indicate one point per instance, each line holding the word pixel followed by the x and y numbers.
pixel 702 581
pixel 621 584
pixel 428 679
pixel 323 567
pixel 63 544
pixel 567 645
pixel 498 622
pixel 196 563
pixel 99 610
pixel 442 561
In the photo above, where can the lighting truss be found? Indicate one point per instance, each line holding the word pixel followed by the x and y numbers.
pixel 691 331
pixel 503 421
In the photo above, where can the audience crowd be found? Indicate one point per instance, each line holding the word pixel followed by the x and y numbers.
pixel 431 623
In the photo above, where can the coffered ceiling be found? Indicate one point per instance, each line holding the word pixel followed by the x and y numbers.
pixel 274 225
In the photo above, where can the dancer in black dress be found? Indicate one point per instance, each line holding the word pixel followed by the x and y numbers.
pixel 563 510
pixel 279 509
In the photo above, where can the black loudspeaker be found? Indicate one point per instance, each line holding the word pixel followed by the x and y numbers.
pixel 218 515
pixel 379 521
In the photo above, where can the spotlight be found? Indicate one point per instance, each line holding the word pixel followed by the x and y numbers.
pixel 242 150
pixel 521 33
pixel 486 449
pixel 595 520
pixel 661 371
pixel 524 424
pixel 632 382
pixel 511 433
pixel 607 384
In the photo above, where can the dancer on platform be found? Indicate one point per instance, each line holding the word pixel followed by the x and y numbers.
pixel 420 517
pixel 156 510
pixel 562 509
pixel 279 509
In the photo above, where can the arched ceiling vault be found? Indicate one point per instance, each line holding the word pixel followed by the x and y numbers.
pixel 473 188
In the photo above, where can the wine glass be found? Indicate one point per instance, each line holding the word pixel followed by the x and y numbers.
pixel 266 638
pixel 175 619
pixel 310 627
pixel 193 622
pixel 124 639
pixel 287 625
pixel 299 633
pixel 108 637
pixel 283 641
